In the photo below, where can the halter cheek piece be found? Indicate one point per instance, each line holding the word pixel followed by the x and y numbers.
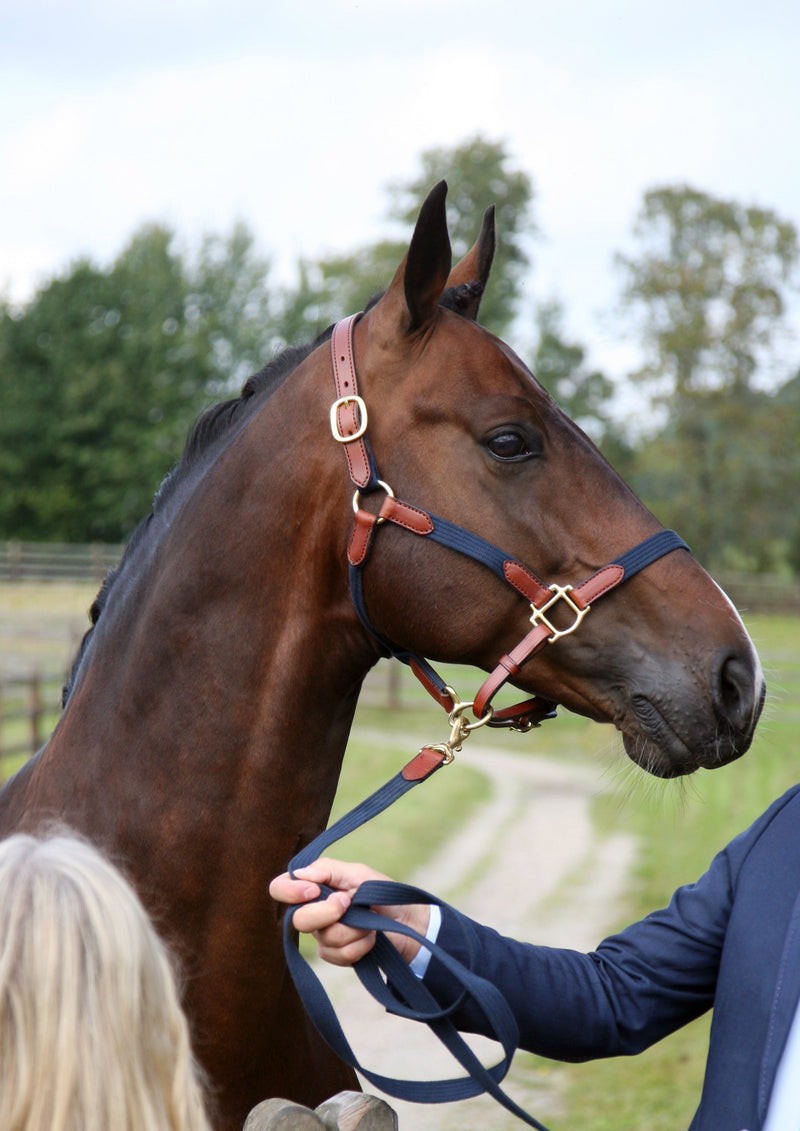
pixel 349 419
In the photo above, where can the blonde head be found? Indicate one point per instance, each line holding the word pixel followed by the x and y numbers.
pixel 92 1034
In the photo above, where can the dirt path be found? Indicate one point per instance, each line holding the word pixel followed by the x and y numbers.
pixel 530 864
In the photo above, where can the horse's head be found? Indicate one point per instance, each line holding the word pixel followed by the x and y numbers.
pixel 460 428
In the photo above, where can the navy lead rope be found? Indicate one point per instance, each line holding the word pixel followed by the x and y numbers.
pixel 386 975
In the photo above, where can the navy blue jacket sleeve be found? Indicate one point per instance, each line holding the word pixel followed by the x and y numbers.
pixel 636 987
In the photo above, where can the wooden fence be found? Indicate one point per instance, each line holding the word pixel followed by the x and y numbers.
pixel 56 561
pixel 29 706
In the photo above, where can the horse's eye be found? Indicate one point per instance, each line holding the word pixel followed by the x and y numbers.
pixel 509 445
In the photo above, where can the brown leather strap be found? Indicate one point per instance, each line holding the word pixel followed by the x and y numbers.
pixel 361 536
pixel 405 515
pixel 350 410
pixel 595 586
pixel 392 510
pixel 526 582
pixel 442 697
pixel 423 764
pixel 508 666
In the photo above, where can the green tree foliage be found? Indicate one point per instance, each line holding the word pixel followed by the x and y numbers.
pixel 332 287
pixel 103 372
pixel 728 479
pixel 104 369
pixel 709 279
pixel 584 394
pixel 710 283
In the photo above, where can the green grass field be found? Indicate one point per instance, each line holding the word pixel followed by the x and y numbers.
pixel 679 824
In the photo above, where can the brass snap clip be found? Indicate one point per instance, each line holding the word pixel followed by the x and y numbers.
pixel 460 728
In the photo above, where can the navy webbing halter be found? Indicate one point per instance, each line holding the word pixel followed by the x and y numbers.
pixel 382 971
pixel 349 426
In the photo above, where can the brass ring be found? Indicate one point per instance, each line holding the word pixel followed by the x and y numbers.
pixel 357 499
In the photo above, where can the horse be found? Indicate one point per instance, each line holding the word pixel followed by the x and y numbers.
pixel 207 712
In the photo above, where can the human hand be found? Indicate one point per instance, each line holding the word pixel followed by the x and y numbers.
pixel 338 943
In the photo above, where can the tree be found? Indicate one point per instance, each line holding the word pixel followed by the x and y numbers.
pixel 709 281
pixel 335 286
pixel 584 394
pixel 103 371
pixel 728 479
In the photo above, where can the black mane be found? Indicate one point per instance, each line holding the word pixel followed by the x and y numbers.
pixel 212 425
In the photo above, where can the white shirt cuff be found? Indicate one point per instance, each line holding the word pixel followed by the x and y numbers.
pixel 419 963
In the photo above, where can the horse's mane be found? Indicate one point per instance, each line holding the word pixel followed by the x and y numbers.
pixel 211 426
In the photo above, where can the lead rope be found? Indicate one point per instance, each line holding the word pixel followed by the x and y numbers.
pixel 387 977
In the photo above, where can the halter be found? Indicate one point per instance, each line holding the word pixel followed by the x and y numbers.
pixel 349 420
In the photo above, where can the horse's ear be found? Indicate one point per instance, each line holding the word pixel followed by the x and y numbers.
pixel 422 276
pixel 476 265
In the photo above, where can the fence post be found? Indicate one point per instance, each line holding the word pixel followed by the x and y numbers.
pixel 347 1111
pixel 282 1115
pixel 35 686
pixel 14 551
pixel 357 1111
pixel 395 684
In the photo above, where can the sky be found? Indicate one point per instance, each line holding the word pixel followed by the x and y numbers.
pixel 295 115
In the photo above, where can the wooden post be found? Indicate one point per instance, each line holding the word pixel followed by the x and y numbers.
pixel 395 683
pixel 282 1115
pixel 357 1111
pixel 35 709
pixel 347 1111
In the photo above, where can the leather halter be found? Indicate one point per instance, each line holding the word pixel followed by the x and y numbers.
pixel 349 420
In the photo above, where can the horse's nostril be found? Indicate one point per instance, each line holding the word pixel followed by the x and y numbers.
pixel 737 692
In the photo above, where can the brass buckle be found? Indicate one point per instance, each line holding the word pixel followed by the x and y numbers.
pixel 342 402
pixel 560 593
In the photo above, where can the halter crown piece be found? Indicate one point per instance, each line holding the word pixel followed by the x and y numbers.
pixel 382 971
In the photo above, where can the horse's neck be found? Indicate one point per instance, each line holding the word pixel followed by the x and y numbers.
pixel 236 651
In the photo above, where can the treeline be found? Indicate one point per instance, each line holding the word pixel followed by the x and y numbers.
pixel 104 369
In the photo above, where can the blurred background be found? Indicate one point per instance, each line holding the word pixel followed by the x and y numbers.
pixel 187 186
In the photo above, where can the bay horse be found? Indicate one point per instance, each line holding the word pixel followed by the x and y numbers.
pixel 208 710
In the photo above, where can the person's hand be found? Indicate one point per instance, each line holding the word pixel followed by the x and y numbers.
pixel 339 944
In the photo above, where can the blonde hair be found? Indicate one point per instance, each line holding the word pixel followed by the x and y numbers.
pixel 92 1034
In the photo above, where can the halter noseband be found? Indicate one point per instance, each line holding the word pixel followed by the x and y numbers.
pixel 349 419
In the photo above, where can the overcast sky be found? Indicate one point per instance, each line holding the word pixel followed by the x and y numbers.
pixel 293 115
